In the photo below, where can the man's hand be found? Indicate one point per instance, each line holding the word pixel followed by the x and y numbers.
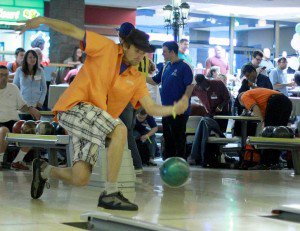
pixel 30 24
pixel 144 138
pixel 152 67
pixel 35 113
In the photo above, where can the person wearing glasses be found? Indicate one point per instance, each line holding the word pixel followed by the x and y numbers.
pixel 278 77
pixel 257 57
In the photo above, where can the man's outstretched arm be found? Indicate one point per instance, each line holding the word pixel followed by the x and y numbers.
pixel 55 24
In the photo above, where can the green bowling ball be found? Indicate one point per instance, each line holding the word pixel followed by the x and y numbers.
pixel 174 172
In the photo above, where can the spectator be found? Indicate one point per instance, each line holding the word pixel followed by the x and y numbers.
pixel 12 67
pixel 278 77
pixel 9 115
pixel 257 57
pixel 214 96
pixel 252 80
pixel 266 62
pixel 176 80
pixel 31 81
pixel 128 115
pixel 182 52
pixel 213 73
pixel 39 42
pixel 77 58
pixel 146 135
pixel 218 60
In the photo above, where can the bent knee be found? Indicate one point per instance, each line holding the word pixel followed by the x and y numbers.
pixel 4 130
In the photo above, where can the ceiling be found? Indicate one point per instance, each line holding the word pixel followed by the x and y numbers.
pixel 284 10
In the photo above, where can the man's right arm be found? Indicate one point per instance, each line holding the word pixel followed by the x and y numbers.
pixel 57 25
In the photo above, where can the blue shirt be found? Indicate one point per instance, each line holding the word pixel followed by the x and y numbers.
pixel 278 76
pixel 141 126
pixel 174 79
pixel 33 90
pixel 185 57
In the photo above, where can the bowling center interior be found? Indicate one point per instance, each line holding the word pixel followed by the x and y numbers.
pixel 149 115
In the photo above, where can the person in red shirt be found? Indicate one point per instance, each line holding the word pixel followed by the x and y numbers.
pixel 218 60
pixel 214 96
pixel 90 107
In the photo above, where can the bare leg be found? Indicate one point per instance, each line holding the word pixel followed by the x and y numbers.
pixel 3 143
pixel 115 152
pixel 78 175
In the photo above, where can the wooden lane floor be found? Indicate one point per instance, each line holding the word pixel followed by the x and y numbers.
pixel 213 199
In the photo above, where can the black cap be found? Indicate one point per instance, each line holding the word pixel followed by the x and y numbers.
pixel 140 40
pixel 125 29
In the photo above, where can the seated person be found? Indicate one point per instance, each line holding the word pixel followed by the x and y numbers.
pixel 144 134
pixel 9 115
pixel 214 96
pixel 12 67
pixel 213 72
pixel 264 103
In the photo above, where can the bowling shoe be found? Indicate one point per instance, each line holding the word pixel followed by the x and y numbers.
pixel 116 201
pixel 38 182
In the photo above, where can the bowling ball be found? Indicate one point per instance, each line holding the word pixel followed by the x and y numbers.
pixel 281 132
pixel 28 127
pixel 174 172
pixel 44 128
pixel 292 133
pixel 268 131
pixel 54 124
pixel 17 126
pixel 60 130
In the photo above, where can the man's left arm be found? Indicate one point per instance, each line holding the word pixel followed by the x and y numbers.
pixel 256 111
pixel 188 80
pixel 226 97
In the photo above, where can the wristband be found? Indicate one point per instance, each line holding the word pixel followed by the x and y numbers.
pixel 173 112
pixel 149 139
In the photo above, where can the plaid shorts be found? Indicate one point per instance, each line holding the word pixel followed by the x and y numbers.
pixel 88 125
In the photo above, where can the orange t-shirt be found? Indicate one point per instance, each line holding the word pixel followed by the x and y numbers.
pixel 97 75
pixel 99 83
pixel 259 97
pixel 129 87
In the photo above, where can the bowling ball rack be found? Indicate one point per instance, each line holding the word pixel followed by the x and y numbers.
pixel 50 142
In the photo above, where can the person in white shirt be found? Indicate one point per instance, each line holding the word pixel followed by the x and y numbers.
pixel 9 115
pixel 278 77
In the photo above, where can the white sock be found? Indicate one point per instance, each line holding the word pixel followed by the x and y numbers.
pixel 1 157
pixel 47 172
pixel 111 187
pixel 20 156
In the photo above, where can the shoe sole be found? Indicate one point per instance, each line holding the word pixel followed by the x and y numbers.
pixel 35 172
pixel 115 208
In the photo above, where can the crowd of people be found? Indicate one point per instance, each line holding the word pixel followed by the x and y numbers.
pixel 106 104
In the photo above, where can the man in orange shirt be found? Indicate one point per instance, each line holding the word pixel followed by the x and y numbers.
pixel 89 108
pixel 270 106
pixel 274 108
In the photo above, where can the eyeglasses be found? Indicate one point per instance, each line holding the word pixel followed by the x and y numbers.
pixel 259 60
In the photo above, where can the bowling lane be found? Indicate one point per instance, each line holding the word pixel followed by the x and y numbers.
pixel 212 200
